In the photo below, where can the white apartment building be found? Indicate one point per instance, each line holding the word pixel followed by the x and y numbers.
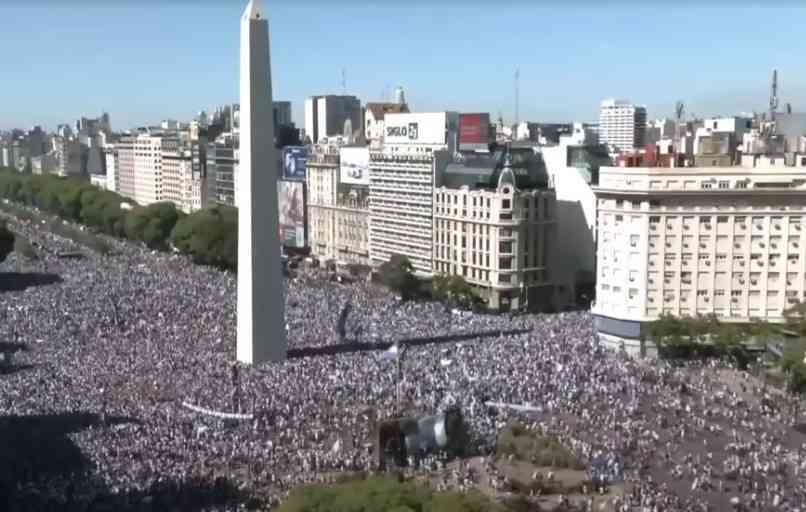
pixel 401 206
pixel 727 241
pixel 125 148
pixel 338 212
pixel 402 177
pixel 498 239
pixel 621 124
pixel 112 167
pixel 148 175
pixel 735 125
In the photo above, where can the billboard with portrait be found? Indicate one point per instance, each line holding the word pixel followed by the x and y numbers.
pixel 294 160
pixel 354 165
pixel 291 205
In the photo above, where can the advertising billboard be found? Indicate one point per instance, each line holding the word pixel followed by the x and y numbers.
pixel 474 131
pixel 418 128
pixel 354 165
pixel 291 206
pixel 294 159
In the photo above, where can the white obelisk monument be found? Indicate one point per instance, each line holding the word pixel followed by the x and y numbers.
pixel 261 304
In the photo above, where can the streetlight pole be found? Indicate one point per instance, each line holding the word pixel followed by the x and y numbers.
pixel 400 354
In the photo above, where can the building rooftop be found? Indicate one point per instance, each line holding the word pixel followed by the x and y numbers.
pixel 379 110
pixel 482 170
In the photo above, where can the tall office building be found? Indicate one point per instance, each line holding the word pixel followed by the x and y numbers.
pixel 281 112
pixel 125 161
pixel 68 155
pixel 622 125
pixel 222 169
pixel 325 116
pixel 402 176
pixel 147 169
pixel 727 241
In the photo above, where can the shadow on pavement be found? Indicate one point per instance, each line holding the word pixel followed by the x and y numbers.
pixel 38 450
pixel 18 281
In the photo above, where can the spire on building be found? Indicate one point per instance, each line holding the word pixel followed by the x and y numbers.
pixel 507 177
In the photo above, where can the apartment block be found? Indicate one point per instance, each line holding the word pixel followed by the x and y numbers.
pixel 125 148
pixel 182 175
pixel 148 177
pixel 622 125
pixel 727 241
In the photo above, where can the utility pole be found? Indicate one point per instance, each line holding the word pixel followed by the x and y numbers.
pixel 400 354
pixel 774 95
pixel 517 97
pixel 678 111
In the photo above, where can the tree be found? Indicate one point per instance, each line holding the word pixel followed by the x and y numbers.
pixel 796 384
pixel 796 319
pixel 209 236
pixel 453 289
pixel 398 275
pixel 6 241
pixel 383 494
pixel 152 224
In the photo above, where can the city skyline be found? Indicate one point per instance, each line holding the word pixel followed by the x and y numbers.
pixel 176 61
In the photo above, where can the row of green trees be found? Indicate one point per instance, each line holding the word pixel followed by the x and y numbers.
pixel 397 274
pixel 669 331
pixel 706 335
pixel 208 236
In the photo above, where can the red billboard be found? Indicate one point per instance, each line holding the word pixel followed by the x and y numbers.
pixel 474 130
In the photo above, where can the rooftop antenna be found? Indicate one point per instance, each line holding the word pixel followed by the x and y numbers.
pixel 679 109
pixel 343 81
pixel 774 94
pixel 517 96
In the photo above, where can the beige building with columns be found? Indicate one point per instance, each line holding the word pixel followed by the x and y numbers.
pixel 338 213
pixel 498 238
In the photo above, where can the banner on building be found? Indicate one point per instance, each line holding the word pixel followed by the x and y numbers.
pixel 354 165
pixel 418 128
pixel 294 161
pixel 474 131
pixel 291 205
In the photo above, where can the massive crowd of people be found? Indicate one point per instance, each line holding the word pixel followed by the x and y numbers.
pixel 136 336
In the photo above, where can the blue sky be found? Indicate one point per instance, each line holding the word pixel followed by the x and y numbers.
pixel 148 60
